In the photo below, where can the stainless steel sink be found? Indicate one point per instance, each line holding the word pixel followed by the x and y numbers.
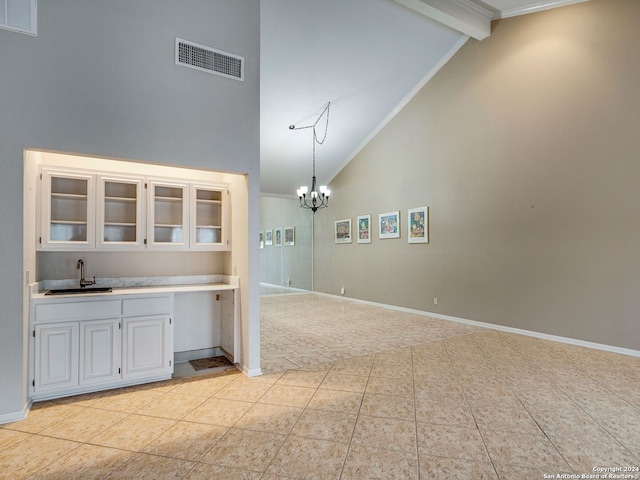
pixel 73 291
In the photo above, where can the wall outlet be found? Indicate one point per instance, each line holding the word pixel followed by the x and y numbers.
pixel 341 290
pixel 435 300
pixel 288 282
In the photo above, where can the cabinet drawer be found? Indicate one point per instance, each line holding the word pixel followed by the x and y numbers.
pixel 84 310
pixel 132 307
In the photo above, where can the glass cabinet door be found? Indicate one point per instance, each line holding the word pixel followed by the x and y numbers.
pixel 120 212
pixel 168 215
pixel 208 216
pixel 67 210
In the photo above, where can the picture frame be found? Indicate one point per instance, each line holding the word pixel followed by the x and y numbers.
pixel 363 223
pixel 290 236
pixel 268 237
pixel 389 225
pixel 261 240
pixel 342 231
pixel 278 237
pixel 418 225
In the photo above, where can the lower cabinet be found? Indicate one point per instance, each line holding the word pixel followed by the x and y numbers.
pixel 76 350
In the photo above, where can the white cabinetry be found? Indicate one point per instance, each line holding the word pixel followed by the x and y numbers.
pixel 86 344
pixel 107 211
pixel 120 211
pixel 67 213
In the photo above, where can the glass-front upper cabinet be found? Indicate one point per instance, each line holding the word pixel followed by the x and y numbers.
pixel 120 212
pixel 208 217
pixel 67 213
pixel 168 215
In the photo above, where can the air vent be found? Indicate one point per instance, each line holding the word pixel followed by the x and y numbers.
pixel 210 60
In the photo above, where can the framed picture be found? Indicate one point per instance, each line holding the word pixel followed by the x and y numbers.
pixel 343 231
pixel 289 236
pixel 261 239
pixel 364 228
pixel 268 237
pixel 278 236
pixel 418 225
pixel 389 225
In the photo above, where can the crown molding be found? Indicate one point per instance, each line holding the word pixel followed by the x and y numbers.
pixel 533 8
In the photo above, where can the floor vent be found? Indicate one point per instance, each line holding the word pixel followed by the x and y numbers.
pixel 210 60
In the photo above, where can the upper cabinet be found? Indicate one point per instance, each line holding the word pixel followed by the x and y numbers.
pixel 120 204
pixel 68 215
pixel 82 210
pixel 209 222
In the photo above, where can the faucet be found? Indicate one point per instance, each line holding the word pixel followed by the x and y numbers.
pixel 83 282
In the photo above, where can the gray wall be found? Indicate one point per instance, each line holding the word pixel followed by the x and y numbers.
pixel 526 148
pixel 294 263
pixel 100 79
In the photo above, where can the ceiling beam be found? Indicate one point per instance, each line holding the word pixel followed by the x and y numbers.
pixel 465 16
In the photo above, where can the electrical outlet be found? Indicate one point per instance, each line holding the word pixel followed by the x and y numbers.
pixel 435 300
pixel 341 290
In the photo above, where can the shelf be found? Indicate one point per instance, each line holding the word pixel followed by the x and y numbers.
pixel 119 224
pixel 68 222
pixel 209 202
pixel 70 196
pixel 210 227
pixel 120 199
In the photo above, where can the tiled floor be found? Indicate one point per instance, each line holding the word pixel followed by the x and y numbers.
pixel 395 396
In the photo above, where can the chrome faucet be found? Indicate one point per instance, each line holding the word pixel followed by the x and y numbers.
pixel 83 282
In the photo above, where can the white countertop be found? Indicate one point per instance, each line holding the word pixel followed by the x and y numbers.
pixel 138 285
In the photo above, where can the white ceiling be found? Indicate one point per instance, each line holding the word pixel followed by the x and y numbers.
pixel 366 57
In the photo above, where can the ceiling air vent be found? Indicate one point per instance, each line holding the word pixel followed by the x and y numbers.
pixel 207 59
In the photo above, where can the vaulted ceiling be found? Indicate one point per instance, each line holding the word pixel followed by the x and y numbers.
pixel 366 57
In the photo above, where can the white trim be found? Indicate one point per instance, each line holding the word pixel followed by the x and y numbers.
pixel 430 74
pixel 16 416
pixel 539 7
pixel 492 326
pixel 255 372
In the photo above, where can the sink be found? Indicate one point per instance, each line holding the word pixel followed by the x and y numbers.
pixel 73 291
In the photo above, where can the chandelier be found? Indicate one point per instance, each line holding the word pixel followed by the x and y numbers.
pixel 318 197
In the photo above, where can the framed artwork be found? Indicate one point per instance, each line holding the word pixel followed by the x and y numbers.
pixel 278 236
pixel 364 228
pixel 343 231
pixel 289 236
pixel 268 237
pixel 389 225
pixel 418 225
pixel 261 239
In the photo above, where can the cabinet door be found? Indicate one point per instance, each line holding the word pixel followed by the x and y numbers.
pixel 99 351
pixel 147 345
pixel 56 352
pixel 67 210
pixel 208 217
pixel 168 214
pixel 120 213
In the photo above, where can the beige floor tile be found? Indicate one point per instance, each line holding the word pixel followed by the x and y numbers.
pixel 207 472
pixel 508 448
pixel 456 469
pixel 86 461
pixel 368 463
pixel 302 378
pixel 309 459
pixel 85 424
pixel 11 437
pixel 390 406
pixel 27 457
pixel 387 433
pixel 443 413
pixel 44 415
pixel 347 383
pixel 360 365
pixel 390 386
pixel 219 411
pixel 508 419
pixel 515 472
pixel 171 405
pixel 186 440
pixel 270 418
pixel 334 426
pixel 245 450
pixel 244 389
pixel 288 395
pixel 204 386
pixel 133 433
pixel 451 441
pixel 151 467
pixel 128 401
pixel 336 401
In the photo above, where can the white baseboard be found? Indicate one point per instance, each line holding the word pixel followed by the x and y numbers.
pixel 475 323
pixel 16 416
